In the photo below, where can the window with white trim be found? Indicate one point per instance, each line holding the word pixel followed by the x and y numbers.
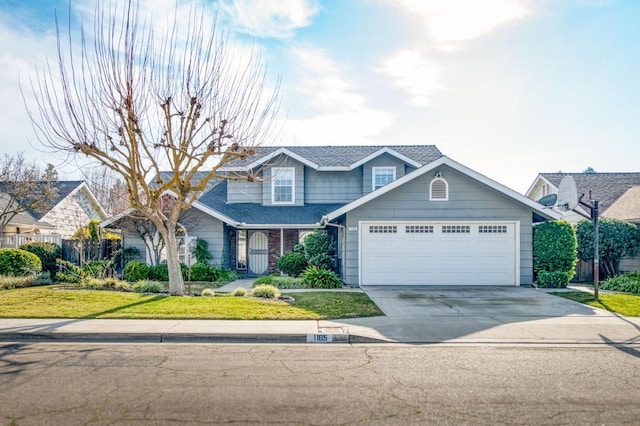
pixel 283 185
pixel 438 190
pixel 382 176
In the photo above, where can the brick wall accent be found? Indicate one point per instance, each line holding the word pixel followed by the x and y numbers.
pixel 289 239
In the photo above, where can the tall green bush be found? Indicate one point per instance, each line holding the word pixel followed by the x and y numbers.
pixel 319 249
pixel 616 240
pixel 201 272
pixel 47 252
pixel 554 253
pixel 18 262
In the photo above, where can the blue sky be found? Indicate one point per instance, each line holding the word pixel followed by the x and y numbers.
pixel 509 88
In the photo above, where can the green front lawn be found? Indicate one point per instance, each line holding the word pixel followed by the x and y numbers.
pixel 54 302
pixel 623 304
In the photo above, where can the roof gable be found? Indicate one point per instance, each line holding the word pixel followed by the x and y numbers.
pixel 604 187
pixel 517 197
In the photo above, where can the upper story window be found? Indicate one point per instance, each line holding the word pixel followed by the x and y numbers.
pixel 439 189
pixel 283 185
pixel 383 176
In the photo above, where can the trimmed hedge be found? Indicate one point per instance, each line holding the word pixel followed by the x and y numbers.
pixel 18 262
pixel 47 252
pixel 293 263
pixel 554 253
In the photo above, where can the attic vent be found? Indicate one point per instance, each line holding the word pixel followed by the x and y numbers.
pixel 383 229
pixel 439 190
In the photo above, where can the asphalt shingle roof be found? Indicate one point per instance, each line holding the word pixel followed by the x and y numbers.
pixel 256 214
pixel 605 187
pixel 344 156
pixel 64 189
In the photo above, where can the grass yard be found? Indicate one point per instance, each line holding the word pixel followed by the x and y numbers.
pixel 54 302
pixel 623 304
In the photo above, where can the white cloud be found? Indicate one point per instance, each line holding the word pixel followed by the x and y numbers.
pixel 449 22
pixel 343 114
pixel 321 81
pixel 415 73
pixel 272 18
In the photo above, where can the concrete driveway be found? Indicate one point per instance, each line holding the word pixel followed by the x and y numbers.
pixel 487 314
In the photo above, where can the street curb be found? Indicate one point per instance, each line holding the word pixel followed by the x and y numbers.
pixel 175 338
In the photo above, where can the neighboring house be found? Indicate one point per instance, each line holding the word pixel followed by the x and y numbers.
pixel 399 215
pixel 618 196
pixel 73 208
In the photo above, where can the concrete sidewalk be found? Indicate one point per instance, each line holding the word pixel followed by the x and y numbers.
pixel 465 316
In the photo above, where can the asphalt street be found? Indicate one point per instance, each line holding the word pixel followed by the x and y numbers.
pixel 306 384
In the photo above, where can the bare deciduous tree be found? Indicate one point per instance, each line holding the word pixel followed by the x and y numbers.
pixel 23 187
pixel 139 104
pixel 108 188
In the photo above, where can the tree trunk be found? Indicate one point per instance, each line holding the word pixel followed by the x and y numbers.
pixel 176 283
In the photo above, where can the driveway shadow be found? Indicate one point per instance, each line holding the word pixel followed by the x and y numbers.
pixel 487 314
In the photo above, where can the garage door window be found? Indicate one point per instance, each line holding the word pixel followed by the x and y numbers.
pixel 383 229
pixel 492 229
pixel 456 229
pixel 418 229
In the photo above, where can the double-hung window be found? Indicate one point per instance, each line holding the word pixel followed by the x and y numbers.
pixel 383 176
pixel 283 185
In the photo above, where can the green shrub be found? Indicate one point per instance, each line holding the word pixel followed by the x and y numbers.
pixel 99 269
pixel 201 271
pixel 553 279
pixel 47 252
pixel 112 284
pixel 207 292
pixel 554 250
pixel 628 283
pixel 17 262
pixel 265 279
pixel 240 292
pixel 148 286
pixel 135 270
pixel 321 278
pixel 161 272
pixel 223 275
pixel 201 251
pixel 69 272
pixel 288 282
pixel 9 282
pixel 265 291
pixel 319 248
pixel 292 263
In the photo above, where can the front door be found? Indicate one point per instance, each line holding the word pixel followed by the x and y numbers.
pixel 258 253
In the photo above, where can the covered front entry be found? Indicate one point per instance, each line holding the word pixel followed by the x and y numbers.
pixel 439 253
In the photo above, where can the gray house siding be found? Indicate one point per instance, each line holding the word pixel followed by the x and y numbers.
pixel 241 191
pixel 332 187
pixel 469 200
pixel 208 228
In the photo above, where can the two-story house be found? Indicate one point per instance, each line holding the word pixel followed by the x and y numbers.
pixel 399 215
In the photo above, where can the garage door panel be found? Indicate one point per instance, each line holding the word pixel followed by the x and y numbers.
pixel 433 253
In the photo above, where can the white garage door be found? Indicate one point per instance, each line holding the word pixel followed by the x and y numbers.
pixel 438 253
